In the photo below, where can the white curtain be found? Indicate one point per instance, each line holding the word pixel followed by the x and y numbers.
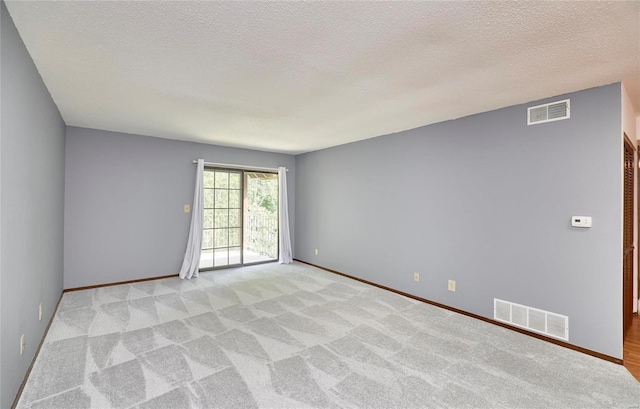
pixel 286 255
pixel 191 261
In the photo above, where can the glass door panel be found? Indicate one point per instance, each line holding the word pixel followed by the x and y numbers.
pixel 261 217
pixel 222 219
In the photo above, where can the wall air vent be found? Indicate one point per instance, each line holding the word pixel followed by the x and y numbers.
pixel 532 319
pixel 554 111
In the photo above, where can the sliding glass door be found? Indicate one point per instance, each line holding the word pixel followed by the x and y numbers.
pixel 240 220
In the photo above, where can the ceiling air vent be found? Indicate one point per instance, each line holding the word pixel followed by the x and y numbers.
pixel 554 111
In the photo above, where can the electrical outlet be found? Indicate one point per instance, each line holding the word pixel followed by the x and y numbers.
pixel 316 252
pixel 23 344
pixel 416 277
pixel 40 312
pixel 187 208
pixel 452 285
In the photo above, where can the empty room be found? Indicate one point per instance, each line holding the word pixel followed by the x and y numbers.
pixel 243 204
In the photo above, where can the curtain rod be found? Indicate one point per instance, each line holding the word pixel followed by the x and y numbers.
pixel 242 167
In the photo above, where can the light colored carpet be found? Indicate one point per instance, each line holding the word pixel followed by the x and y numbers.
pixel 293 336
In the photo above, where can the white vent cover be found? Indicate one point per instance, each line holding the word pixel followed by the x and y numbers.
pixel 554 111
pixel 532 319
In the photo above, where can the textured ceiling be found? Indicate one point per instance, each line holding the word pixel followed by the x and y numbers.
pixel 299 76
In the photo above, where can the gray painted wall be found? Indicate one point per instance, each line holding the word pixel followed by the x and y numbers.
pixel 484 200
pixel 124 201
pixel 31 221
